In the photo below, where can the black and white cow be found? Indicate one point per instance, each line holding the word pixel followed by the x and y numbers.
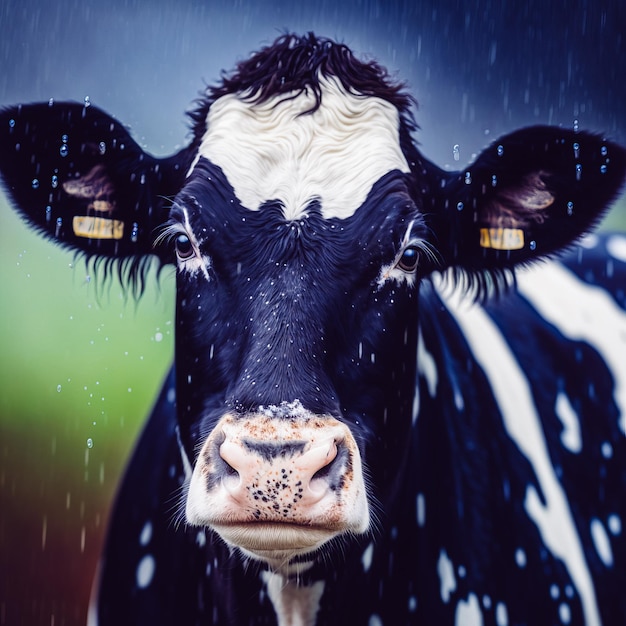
pixel 347 437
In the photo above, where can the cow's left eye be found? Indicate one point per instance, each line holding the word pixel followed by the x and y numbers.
pixel 184 248
pixel 409 259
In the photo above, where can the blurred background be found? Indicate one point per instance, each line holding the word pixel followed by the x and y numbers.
pixel 80 364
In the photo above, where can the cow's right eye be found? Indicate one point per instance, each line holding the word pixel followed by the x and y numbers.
pixel 409 259
pixel 184 248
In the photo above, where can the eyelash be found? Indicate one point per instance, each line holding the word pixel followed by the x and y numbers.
pixel 188 256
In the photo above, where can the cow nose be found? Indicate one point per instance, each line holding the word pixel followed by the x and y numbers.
pixel 307 470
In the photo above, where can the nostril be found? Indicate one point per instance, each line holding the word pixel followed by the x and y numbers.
pixel 230 461
pixel 328 474
pixel 228 469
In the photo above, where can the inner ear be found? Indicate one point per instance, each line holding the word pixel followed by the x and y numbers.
pixel 96 187
pixel 530 194
pixel 513 211
pixel 520 205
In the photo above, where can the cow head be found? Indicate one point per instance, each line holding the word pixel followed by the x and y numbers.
pixel 301 219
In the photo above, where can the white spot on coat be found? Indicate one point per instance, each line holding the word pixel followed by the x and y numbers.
pixel 565 613
pixel 146 533
pixel 502 615
pixel 570 437
pixel 615 524
pixel 420 507
pixel 468 612
pixel 446 576
pixel 601 542
pixel 426 366
pixel 367 557
pixel 145 571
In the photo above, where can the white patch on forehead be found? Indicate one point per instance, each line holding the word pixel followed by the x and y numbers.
pixel 270 151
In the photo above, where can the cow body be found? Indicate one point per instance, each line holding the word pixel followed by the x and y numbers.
pixel 356 440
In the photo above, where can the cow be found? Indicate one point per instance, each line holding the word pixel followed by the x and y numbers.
pixel 378 413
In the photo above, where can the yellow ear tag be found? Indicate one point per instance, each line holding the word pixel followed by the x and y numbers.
pixel 97 227
pixel 502 238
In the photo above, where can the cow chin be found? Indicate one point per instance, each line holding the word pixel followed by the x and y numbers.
pixel 279 484
pixel 274 543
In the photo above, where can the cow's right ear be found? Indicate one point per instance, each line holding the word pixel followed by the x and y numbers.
pixel 76 175
pixel 528 196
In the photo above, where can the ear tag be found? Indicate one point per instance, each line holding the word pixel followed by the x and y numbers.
pixel 502 238
pixel 97 227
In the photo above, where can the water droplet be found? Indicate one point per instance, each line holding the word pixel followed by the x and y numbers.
pixel 468 178
pixel 63 150
pixel 459 206
pixel 50 102
pixel 58 228
pixel 576 147
pixel 11 123
pixel 500 150
pixel 158 337
pixel 134 235
pixel 576 126
pixel 456 153
pixel 35 183
pixel 64 138
pixel 603 169
pixel 494 180
pixel 579 171
pixel 55 181
pixel 87 101
pixel 58 388
pixel 48 213
pixel 533 245
pixel 604 150
pixel 570 208
pixel 90 442
pixel 102 147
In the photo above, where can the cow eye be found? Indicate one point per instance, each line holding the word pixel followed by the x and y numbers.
pixel 184 248
pixel 409 259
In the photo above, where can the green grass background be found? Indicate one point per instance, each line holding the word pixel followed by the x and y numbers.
pixel 80 367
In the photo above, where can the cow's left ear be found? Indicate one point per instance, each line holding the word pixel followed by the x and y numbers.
pixel 528 195
pixel 76 175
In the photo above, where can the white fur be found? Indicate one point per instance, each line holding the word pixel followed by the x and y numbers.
pixel 295 605
pixel 582 312
pixel 513 395
pixel 269 151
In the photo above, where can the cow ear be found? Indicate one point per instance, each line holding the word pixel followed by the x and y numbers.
pixel 76 175
pixel 530 194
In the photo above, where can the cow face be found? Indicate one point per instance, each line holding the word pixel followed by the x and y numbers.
pixel 301 219
pixel 271 249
